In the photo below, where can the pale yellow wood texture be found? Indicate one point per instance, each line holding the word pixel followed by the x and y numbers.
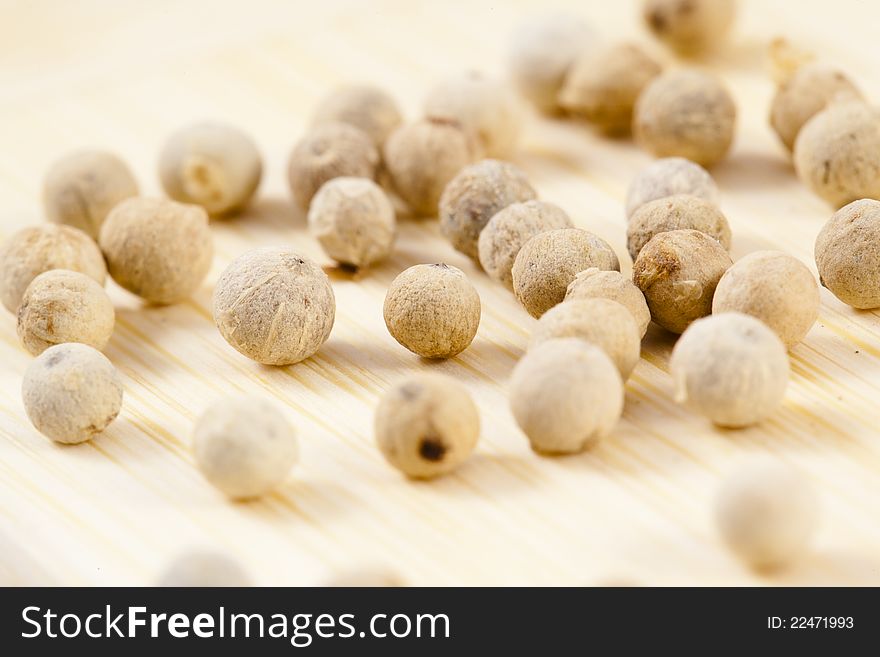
pixel 122 75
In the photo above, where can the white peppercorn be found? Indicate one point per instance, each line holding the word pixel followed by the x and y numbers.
pixel 354 221
pixel 594 283
pixel 774 287
pixel 548 263
pixel 274 305
pixel 675 213
pixel 81 188
pixel 364 106
pixel 37 249
pixel 848 254
pixel 64 306
pixel 809 90
pixel 71 392
pixel 540 53
pixel 486 109
pixel 432 310
pixel 602 322
pixel 160 250
pixel 690 26
pixel 244 446
pixel 210 164
pixel 204 568
pixel 669 176
pixel 678 271
pixel 566 395
pixel 422 158
pixel 837 153
pixel 475 195
pixel 427 425
pixel 510 228
pixel 603 84
pixel 328 151
pixel 766 513
pixel 731 368
pixel 686 113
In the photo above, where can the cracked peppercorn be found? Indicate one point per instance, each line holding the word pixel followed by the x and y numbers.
pixel 678 271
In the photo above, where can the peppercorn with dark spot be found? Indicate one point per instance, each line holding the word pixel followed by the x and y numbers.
pixel 427 425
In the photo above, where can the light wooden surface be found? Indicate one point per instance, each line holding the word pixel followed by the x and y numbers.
pixel 121 75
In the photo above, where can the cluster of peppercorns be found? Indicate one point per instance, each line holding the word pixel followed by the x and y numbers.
pixel 360 167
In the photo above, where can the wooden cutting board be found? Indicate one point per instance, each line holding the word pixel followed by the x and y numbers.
pixel 122 75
